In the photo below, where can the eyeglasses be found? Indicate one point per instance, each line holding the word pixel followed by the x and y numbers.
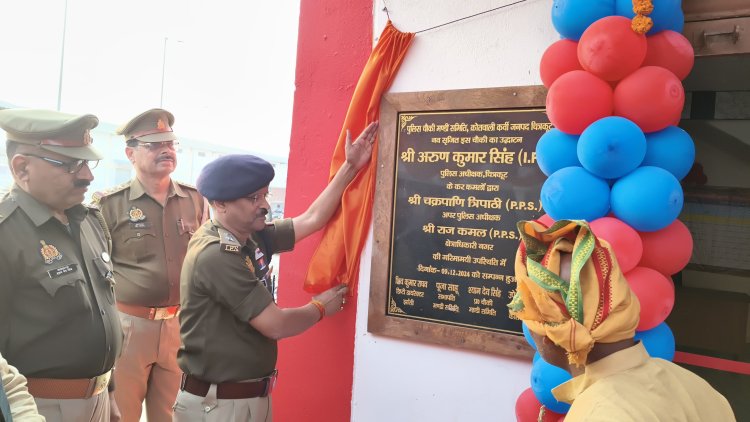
pixel 71 167
pixel 155 146
pixel 255 198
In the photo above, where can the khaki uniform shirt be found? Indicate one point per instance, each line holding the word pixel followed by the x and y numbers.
pixel 149 241
pixel 221 291
pixel 57 301
pixel 22 405
pixel 630 386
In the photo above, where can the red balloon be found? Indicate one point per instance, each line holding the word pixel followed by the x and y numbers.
pixel 559 58
pixel 624 240
pixel 672 51
pixel 527 409
pixel 652 97
pixel 667 250
pixel 610 49
pixel 655 292
pixel 577 99
pixel 546 220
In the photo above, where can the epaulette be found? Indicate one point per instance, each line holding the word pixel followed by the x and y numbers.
pixel 186 185
pixel 98 196
pixel 227 242
pixel 6 209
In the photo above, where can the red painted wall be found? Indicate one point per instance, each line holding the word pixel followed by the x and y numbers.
pixel 315 368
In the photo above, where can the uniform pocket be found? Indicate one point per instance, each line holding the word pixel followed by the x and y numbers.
pixel 66 287
pixel 141 244
pixel 52 285
pixel 106 277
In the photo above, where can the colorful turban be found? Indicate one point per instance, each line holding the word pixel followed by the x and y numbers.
pixel 596 305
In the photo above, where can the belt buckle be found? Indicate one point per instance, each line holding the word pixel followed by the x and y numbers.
pixel 161 313
pixel 166 312
pixel 100 383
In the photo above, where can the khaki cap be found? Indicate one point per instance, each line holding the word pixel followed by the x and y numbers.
pixel 63 133
pixel 154 125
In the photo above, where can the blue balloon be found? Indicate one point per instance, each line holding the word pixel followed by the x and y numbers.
pixel 572 193
pixel 658 341
pixel 611 147
pixel 671 149
pixel 571 17
pixel 556 150
pixel 527 335
pixel 667 14
pixel 648 199
pixel 545 377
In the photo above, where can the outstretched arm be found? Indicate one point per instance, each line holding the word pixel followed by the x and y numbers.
pixel 277 323
pixel 358 153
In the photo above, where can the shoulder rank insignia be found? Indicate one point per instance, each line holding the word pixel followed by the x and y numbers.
pixel 250 265
pixel 136 214
pixel 97 197
pixel 49 253
pixel 186 185
pixel 228 242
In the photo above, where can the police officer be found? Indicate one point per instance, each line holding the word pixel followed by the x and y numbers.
pixel 229 321
pixel 58 321
pixel 151 219
pixel 15 400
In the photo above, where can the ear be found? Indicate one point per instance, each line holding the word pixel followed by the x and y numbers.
pixel 19 167
pixel 129 152
pixel 220 207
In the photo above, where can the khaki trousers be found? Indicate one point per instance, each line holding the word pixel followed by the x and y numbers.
pixel 94 409
pixel 192 408
pixel 147 369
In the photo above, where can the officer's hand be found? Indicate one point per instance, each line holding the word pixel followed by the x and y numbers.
pixel 359 152
pixel 333 299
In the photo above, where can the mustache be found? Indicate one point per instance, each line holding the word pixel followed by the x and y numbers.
pixel 166 157
pixel 262 212
pixel 80 183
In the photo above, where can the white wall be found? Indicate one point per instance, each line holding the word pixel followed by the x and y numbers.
pixel 397 380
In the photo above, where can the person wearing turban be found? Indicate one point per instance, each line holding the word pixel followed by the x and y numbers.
pixel 582 315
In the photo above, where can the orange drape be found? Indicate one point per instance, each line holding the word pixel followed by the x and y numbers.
pixel 336 260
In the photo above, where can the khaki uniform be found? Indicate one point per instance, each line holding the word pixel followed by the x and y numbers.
pixel 58 317
pixel 18 402
pixel 149 242
pixel 222 288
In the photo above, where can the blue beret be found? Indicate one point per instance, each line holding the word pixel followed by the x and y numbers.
pixel 234 176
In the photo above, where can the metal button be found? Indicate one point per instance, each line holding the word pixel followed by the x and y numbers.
pixel 105 257
pixel 207 409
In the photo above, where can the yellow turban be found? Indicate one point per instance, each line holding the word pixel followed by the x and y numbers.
pixel 596 305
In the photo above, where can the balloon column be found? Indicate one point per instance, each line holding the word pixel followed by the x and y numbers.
pixel 616 156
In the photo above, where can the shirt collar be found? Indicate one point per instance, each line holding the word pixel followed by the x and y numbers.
pixel 616 362
pixel 137 190
pixel 40 213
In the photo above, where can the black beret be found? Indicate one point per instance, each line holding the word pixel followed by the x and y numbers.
pixel 234 176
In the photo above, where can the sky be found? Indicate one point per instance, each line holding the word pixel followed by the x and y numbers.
pixel 225 68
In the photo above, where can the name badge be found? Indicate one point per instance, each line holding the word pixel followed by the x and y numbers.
pixel 231 248
pixel 140 225
pixel 58 272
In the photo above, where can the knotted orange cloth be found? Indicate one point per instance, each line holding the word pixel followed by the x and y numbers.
pixel 336 260
pixel 596 305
